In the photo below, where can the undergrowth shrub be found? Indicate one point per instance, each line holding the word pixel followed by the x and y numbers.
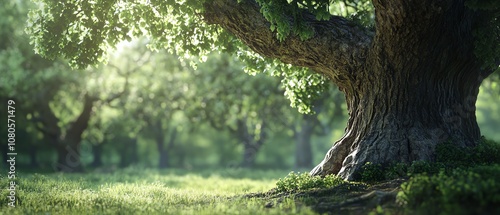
pixel 397 170
pixel 448 158
pixel 462 191
pixel 488 152
pixel 303 181
pixel 371 172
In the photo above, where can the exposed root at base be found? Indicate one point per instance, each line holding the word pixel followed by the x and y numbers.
pixel 342 199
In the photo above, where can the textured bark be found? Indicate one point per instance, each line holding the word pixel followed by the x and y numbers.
pixel 337 49
pixel 411 85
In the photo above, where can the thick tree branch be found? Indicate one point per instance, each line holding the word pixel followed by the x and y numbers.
pixel 337 49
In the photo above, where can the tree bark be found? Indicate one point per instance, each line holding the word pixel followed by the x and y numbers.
pixel 405 102
pixel 337 49
pixel 409 85
pixel 68 146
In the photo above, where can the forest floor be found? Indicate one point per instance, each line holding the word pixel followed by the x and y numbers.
pixel 461 181
pixel 376 198
pixel 233 191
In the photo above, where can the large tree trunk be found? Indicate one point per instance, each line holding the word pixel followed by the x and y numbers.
pixel 409 85
pixel 405 102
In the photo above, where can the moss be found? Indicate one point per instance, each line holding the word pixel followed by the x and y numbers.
pixel 303 181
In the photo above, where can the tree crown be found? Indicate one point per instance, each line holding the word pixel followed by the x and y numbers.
pixel 83 31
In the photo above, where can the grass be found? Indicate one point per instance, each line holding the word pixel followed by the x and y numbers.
pixel 136 191
pixel 461 181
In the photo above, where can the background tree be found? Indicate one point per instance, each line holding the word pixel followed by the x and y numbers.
pixel 411 77
pixel 159 100
pixel 249 108
pixel 47 94
pixel 319 123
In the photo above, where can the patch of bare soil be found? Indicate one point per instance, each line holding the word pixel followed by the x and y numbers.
pixel 342 199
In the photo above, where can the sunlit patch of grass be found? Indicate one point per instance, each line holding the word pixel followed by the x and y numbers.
pixel 135 191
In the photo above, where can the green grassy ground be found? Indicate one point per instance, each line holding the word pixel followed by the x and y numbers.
pixel 460 181
pixel 136 191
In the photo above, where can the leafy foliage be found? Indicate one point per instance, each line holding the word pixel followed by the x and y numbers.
pixel 63 28
pixel 471 191
pixel 488 33
pixel 303 181
pixel 372 172
pixel 278 14
pixel 448 158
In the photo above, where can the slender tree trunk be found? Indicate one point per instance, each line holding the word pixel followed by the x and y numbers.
pixel 164 149
pixel 33 157
pixel 249 154
pixel 164 160
pixel 68 148
pixel 134 155
pixel 4 156
pixel 303 149
pixel 162 153
pixel 128 151
pixel 251 142
pixel 97 155
pixel 68 158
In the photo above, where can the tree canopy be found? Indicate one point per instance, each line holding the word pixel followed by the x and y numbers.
pixel 182 27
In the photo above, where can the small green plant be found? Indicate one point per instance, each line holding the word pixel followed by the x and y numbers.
pixel 371 172
pixel 303 181
pixel 397 170
pixel 452 155
pixel 487 152
pixel 424 167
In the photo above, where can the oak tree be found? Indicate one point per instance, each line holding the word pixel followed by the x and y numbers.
pixel 410 70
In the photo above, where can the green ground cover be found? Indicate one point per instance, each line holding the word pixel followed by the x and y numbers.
pixel 461 181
